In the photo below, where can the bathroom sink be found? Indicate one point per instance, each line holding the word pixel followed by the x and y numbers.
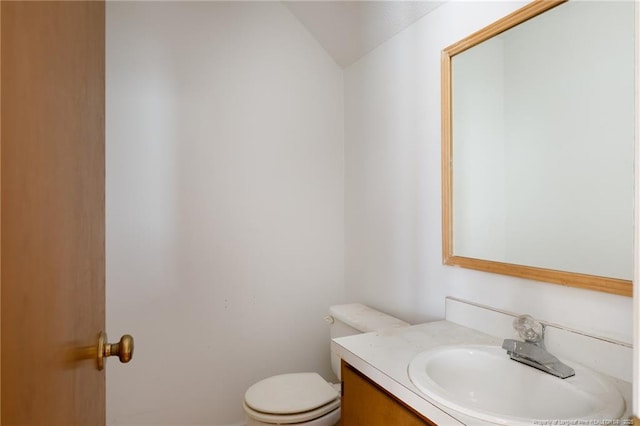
pixel 483 382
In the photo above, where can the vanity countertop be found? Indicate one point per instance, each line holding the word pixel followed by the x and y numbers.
pixel 384 357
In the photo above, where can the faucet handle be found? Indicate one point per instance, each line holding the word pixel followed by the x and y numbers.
pixel 529 329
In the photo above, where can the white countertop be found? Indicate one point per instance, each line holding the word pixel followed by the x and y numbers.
pixel 384 357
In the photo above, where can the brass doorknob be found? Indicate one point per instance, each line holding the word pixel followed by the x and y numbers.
pixel 123 349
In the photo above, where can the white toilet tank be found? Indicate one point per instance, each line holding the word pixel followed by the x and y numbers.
pixel 356 318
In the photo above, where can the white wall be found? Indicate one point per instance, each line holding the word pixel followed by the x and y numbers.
pixel 225 205
pixel 393 190
pixel 636 254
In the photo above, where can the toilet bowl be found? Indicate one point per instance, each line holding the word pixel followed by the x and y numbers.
pixel 306 398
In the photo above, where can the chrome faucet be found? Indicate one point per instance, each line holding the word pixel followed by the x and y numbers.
pixel 532 351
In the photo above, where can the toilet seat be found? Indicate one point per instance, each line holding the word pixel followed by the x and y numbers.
pixel 291 398
pixel 284 419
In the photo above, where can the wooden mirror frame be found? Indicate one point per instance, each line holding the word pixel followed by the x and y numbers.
pixel 572 279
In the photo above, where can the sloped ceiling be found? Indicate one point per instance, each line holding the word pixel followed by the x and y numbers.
pixel 349 30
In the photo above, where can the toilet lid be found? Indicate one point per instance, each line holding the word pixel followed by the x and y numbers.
pixel 330 413
pixel 290 393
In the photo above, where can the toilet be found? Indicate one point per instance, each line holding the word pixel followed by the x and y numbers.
pixel 306 398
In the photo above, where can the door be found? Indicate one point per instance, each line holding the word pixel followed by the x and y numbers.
pixel 52 212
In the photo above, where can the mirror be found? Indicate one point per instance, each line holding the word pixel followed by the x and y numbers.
pixel 538 139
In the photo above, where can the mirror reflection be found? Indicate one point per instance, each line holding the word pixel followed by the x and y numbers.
pixel 542 143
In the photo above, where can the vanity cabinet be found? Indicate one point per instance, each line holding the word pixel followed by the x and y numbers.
pixel 367 404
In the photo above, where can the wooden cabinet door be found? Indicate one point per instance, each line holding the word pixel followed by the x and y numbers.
pixel 366 404
pixel 52 212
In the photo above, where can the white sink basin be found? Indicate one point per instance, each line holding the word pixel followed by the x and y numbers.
pixel 483 382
